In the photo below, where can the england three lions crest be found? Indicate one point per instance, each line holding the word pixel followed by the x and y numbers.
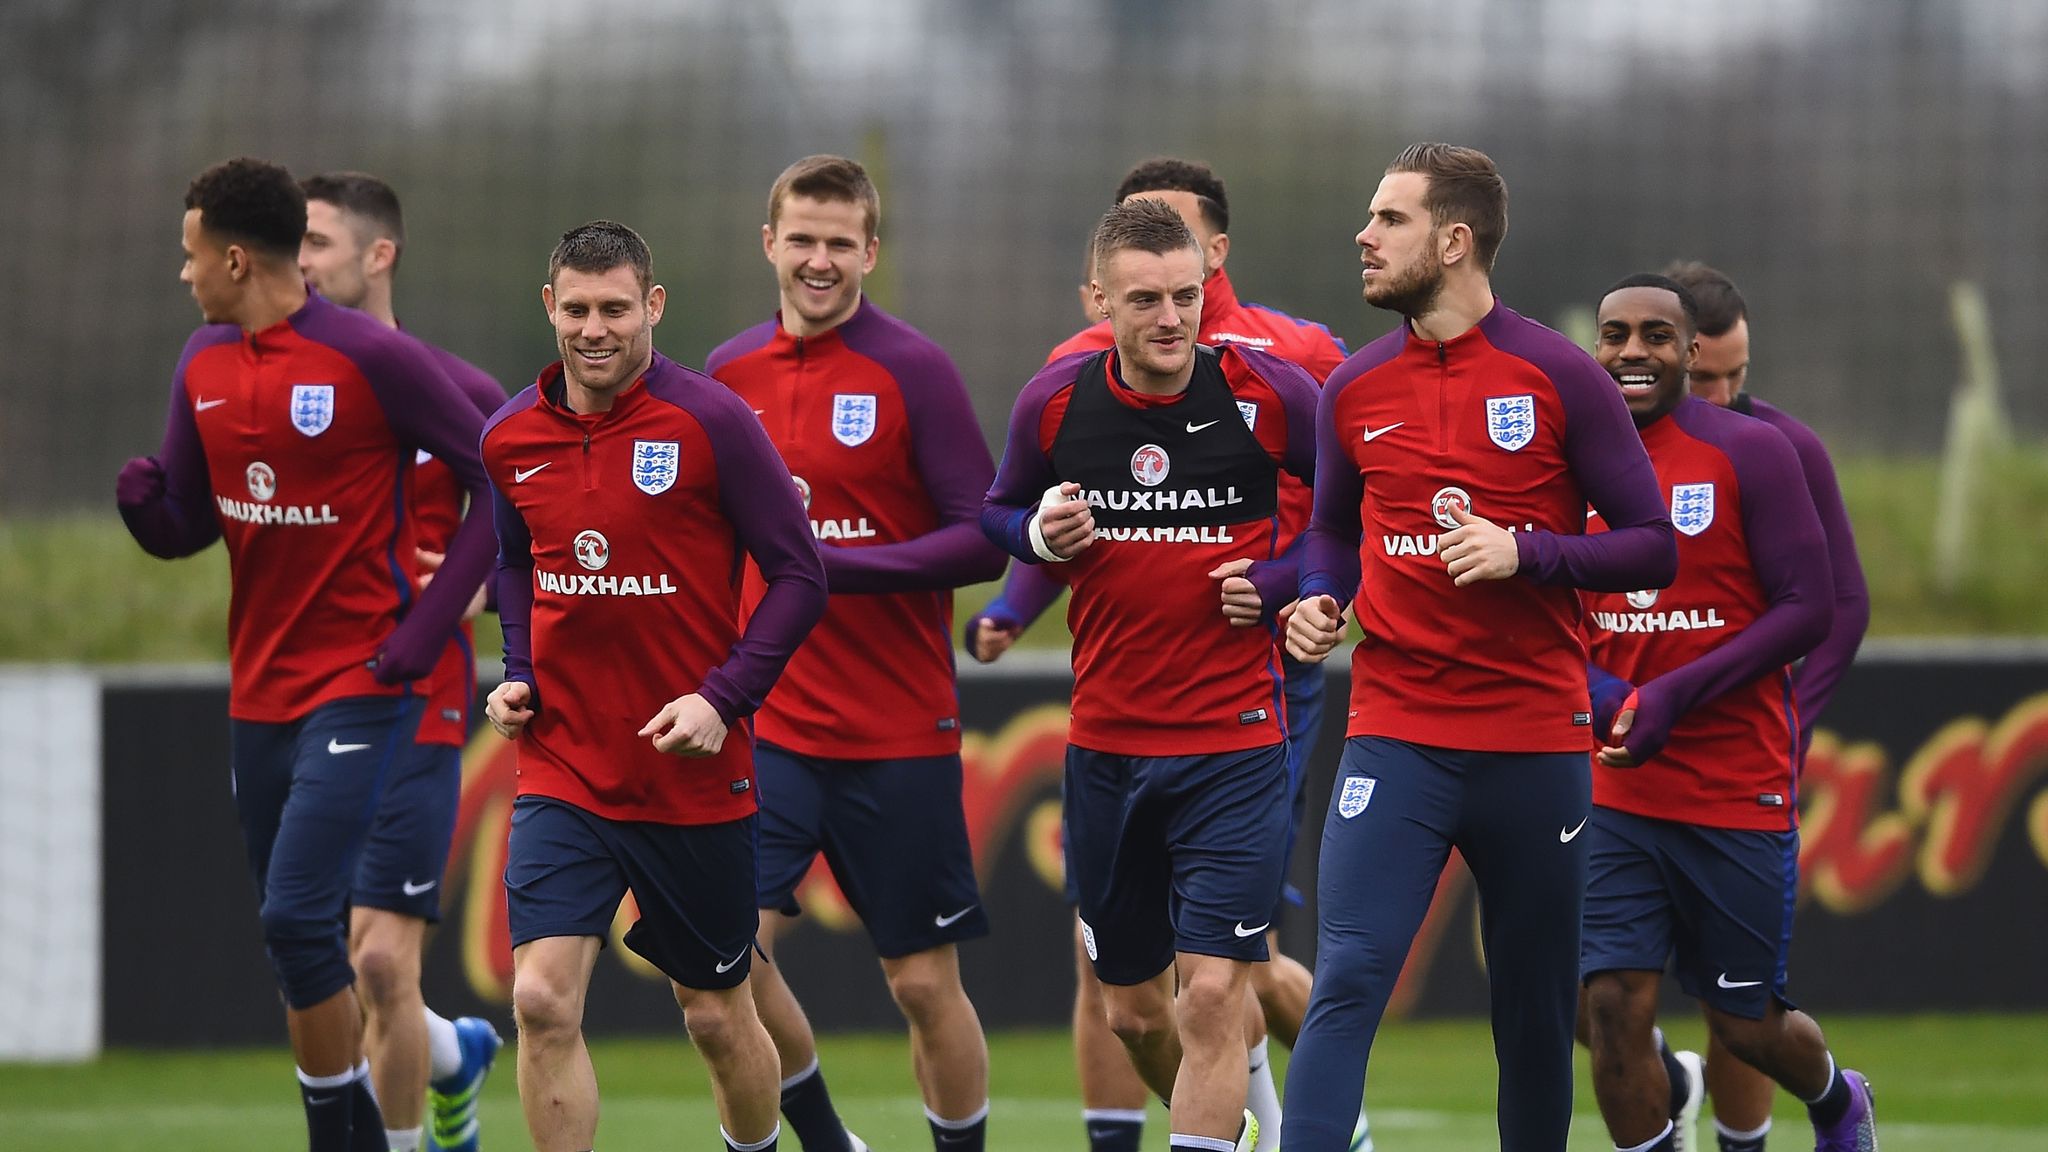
pixel 1355 795
pixel 1511 421
pixel 1692 507
pixel 853 418
pixel 654 465
pixel 312 408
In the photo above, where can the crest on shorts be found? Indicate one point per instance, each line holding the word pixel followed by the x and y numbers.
pixel 312 407
pixel 1249 409
pixel 1511 421
pixel 654 465
pixel 853 418
pixel 1692 507
pixel 1356 794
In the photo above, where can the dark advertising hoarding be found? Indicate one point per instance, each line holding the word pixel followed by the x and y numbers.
pixel 1924 849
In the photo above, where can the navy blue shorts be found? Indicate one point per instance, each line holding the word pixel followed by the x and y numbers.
pixel 1717 901
pixel 894 833
pixel 400 870
pixel 1305 691
pixel 1175 854
pixel 567 869
pixel 307 793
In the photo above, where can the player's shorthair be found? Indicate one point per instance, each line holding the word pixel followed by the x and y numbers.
pixel 1169 174
pixel 600 246
pixel 829 178
pixel 253 203
pixel 1686 302
pixel 1464 188
pixel 1720 302
pixel 364 197
pixel 1144 226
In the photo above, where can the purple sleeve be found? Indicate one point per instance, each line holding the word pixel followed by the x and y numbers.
pixel 953 461
pixel 1787 553
pixel 1329 562
pixel 1278 579
pixel 1026 594
pixel 1818 675
pixel 426 410
pixel 180 520
pixel 484 391
pixel 760 501
pixel 1606 457
pixel 1609 693
pixel 1026 471
pixel 514 588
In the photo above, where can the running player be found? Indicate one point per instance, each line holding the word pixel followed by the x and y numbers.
pixel 858 750
pixel 628 491
pixel 1150 469
pixel 355 234
pixel 1720 372
pixel 292 432
pixel 1694 834
pixel 1457 455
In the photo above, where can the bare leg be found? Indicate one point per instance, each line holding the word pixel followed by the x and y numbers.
pixel 557 1085
pixel 947 1049
pixel 384 947
pixel 728 1034
pixel 1628 1075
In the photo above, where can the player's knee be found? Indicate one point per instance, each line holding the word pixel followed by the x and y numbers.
pixel 387 977
pixel 1136 1018
pixel 1750 1041
pixel 309 956
pixel 922 993
pixel 713 1021
pixel 1617 1012
pixel 544 1007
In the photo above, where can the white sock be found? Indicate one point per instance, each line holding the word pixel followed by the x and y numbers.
pixel 1830 1081
pixel 1262 1096
pixel 773 1134
pixel 444 1051
pixel 1757 1133
pixel 402 1139
pixel 1646 1145
pixel 968 1121
pixel 335 1081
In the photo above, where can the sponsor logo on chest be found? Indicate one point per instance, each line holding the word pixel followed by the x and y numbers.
pixel 842 528
pixel 1676 620
pixel 590 584
pixel 1165 500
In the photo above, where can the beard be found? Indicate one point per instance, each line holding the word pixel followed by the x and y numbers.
pixel 1413 293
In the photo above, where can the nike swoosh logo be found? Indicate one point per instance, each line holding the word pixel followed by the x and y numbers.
pixel 203 405
pixel 1564 837
pixel 412 889
pixel 521 475
pixel 949 921
pixel 317 1101
pixel 760 411
pixel 1372 434
pixel 1194 427
pixel 1725 982
pixel 336 747
pixel 1242 931
pixel 727 966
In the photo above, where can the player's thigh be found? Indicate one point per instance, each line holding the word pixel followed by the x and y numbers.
pixel 1735 890
pixel 1628 920
pixel 407 848
pixel 1386 838
pixel 344 754
pixel 261 758
pixel 791 792
pixel 1227 838
pixel 1118 864
pixel 895 835
pixel 563 877
pixel 1522 832
pixel 694 885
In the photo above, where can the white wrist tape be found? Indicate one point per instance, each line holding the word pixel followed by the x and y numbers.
pixel 1053 496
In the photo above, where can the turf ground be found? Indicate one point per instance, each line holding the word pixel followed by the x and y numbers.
pixel 1944 1083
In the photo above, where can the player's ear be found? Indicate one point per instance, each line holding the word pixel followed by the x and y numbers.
pixel 547 299
pixel 383 254
pixel 1457 243
pixel 657 299
pixel 768 243
pixel 867 262
pixel 1218 251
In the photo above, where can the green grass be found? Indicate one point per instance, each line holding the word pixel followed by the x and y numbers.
pixel 1944 1083
pixel 77 589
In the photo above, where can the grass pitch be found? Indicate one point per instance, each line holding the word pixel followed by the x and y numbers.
pixel 1943 1083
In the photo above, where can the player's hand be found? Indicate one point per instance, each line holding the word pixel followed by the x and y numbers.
pixel 141 482
pixel 990 639
pixel 686 726
pixel 1477 549
pixel 430 563
pixel 1313 628
pixel 1241 603
pixel 509 707
pixel 1616 755
pixel 1068 525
